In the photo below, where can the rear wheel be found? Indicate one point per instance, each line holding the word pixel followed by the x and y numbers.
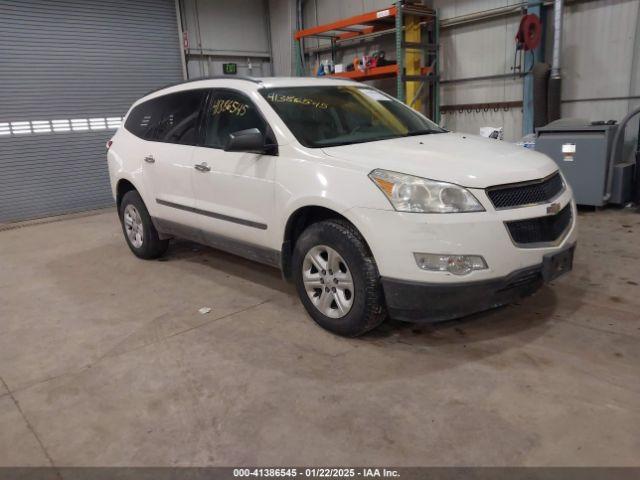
pixel 139 231
pixel 337 278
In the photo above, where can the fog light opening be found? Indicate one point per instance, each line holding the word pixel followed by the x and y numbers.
pixel 455 264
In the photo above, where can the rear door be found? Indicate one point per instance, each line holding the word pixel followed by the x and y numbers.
pixel 172 129
pixel 234 190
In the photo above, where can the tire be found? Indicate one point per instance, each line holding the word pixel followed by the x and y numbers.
pixel 366 300
pixel 147 245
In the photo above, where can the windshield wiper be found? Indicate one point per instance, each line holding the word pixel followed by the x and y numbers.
pixel 362 140
pixel 421 132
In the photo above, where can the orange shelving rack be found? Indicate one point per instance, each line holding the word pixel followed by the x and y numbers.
pixel 416 30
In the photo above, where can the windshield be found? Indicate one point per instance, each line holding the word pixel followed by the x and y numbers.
pixel 327 116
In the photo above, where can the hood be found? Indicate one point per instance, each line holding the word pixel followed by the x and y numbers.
pixel 467 160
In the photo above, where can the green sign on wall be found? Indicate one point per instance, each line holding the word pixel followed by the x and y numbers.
pixel 230 68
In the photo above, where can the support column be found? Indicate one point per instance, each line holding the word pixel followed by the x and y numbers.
pixel 413 59
pixel 400 94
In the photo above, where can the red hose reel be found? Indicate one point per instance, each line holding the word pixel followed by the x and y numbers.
pixel 529 33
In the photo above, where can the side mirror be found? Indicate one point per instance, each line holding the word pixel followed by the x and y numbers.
pixel 250 140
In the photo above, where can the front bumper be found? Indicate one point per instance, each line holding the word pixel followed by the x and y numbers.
pixel 425 302
pixel 394 237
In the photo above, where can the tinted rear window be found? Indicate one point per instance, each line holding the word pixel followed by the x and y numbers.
pixel 143 119
pixel 171 118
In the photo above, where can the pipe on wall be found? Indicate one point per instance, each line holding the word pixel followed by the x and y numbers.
pixel 558 7
pixel 499 12
pixel 299 26
pixel 555 80
pixel 534 99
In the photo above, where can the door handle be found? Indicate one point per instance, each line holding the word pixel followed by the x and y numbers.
pixel 149 159
pixel 202 167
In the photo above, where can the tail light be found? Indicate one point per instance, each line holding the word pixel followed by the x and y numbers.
pixel 109 143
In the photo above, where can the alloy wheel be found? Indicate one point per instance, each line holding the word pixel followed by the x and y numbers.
pixel 328 281
pixel 133 225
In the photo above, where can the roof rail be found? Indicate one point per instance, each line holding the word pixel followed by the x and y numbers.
pixel 331 77
pixel 213 77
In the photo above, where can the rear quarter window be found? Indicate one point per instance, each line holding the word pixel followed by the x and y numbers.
pixel 171 118
pixel 144 118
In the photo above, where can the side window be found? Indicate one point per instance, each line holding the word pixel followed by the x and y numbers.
pixel 179 118
pixel 144 118
pixel 171 118
pixel 230 112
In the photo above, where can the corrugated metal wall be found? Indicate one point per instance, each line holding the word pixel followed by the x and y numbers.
pixel 479 49
pixel 601 62
pixel 69 70
pixel 220 31
pixel 600 58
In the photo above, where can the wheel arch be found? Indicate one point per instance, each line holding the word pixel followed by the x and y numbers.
pixel 122 187
pixel 298 221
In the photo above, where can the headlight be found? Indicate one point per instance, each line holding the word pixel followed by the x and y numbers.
pixel 420 195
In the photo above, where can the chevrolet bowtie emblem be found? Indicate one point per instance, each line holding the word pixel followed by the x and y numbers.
pixel 553 209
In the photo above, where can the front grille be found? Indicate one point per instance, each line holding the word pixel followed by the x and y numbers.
pixel 541 229
pixel 526 193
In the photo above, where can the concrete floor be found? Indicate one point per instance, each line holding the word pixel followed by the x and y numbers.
pixel 105 360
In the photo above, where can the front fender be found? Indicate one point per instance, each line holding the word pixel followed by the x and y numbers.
pixel 315 180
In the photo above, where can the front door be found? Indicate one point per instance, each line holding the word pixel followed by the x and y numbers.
pixel 234 191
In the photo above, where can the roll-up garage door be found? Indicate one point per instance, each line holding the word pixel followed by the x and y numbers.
pixel 69 70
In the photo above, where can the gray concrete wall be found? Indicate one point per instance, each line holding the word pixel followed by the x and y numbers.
pixel 222 31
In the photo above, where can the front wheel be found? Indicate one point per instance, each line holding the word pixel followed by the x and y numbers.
pixel 337 278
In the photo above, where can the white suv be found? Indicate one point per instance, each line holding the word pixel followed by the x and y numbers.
pixel 367 206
